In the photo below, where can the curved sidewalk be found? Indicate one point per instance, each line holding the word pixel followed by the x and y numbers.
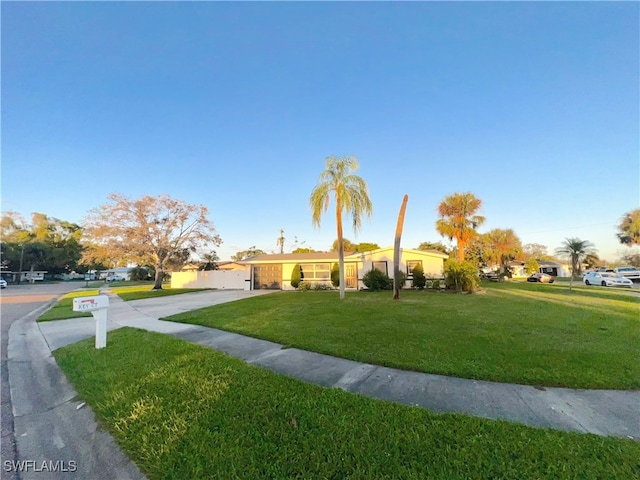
pixel 50 417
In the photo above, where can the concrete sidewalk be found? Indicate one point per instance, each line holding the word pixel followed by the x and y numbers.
pixel 49 425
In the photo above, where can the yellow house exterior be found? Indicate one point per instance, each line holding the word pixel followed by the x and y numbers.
pixel 273 271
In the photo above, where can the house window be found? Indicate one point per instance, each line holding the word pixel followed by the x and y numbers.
pixel 411 265
pixel 316 271
pixel 382 266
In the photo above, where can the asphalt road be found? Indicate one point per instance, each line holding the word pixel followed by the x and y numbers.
pixel 17 301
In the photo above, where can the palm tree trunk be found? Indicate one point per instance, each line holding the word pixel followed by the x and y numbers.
pixel 340 247
pixel 396 249
pixel 460 251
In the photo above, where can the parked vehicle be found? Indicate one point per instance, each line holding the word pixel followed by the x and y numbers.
pixel 541 277
pixel 631 273
pixel 115 278
pixel 3 283
pixel 607 279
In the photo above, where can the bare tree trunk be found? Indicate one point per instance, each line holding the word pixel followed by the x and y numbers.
pixel 159 274
pixel 340 248
pixel 396 249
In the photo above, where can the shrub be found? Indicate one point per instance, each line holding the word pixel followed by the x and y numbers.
pixel 304 286
pixel 419 280
pixel 435 284
pixel 296 277
pixel 139 273
pixel 374 280
pixel 335 275
pixel 461 276
pixel 532 266
pixel 322 286
pixel 402 277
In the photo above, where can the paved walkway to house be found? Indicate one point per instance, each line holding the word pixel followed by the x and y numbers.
pixel 52 423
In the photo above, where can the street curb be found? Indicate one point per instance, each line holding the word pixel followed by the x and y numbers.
pixel 53 428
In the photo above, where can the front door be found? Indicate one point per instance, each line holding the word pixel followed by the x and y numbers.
pixel 351 275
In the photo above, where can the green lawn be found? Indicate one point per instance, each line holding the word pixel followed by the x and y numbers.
pixel 182 411
pixel 514 332
pixel 64 308
pixel 140 292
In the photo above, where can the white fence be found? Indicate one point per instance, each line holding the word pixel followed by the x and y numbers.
pixel 220 279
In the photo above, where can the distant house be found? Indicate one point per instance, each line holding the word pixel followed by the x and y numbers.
pixel 273 271
pixel 556 269
pixel 229 265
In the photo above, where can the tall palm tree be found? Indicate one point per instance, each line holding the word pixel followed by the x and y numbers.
pixel 396 249
pixel 503 246
pixel 350 193
pixel 458 219
pixel 575 249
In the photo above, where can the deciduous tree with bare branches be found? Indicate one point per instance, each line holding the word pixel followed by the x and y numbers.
pixel 148 230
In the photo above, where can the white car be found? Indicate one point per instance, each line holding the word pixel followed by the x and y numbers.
pixel 628 272
pixel 3 283
pixel 606 279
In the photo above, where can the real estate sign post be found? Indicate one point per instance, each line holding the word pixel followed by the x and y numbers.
pixel 97 305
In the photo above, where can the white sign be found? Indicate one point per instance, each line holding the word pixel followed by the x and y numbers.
pixel 88 304
pixel 97 305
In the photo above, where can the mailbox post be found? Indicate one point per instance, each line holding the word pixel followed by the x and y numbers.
pixel 97 305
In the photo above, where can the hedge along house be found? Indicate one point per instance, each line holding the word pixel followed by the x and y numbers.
pixel 273 271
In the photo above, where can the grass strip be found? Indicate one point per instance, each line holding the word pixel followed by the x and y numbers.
pixel 184 411
pixel 514 332
pixel 142 292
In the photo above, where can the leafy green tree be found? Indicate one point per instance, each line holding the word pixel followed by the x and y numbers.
pixel 575 249
pixel 366 247
pixel 46 244
pixel 245 254
pixel 347 244
pixel 303 250
pixel 138 274
pixel 439 246
pixel 209 261
pixel 502 247
pixel 592 260
pixel 629 228
pixel 296 276
pixel 419 279
pixel 149 230
pixel 536 251
pixel 631 258
pixel 349 192
pixel 335 275
pixel 532 266
pixel 458 219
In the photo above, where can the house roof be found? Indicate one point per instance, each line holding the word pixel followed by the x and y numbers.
pixel 330 256
pixel 288 257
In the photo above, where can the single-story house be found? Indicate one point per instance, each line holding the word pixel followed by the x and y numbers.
pixel 273 271
pixel 556 269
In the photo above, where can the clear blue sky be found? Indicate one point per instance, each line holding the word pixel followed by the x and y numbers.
pixel 533 107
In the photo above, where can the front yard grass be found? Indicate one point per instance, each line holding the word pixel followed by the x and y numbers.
pixel 524 333
pixel 141 292
pixel 184 411
pixel 64 308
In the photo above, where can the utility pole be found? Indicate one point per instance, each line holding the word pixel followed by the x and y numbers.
pixel 281 241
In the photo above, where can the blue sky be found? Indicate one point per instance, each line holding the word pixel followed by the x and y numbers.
pixel 533 107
